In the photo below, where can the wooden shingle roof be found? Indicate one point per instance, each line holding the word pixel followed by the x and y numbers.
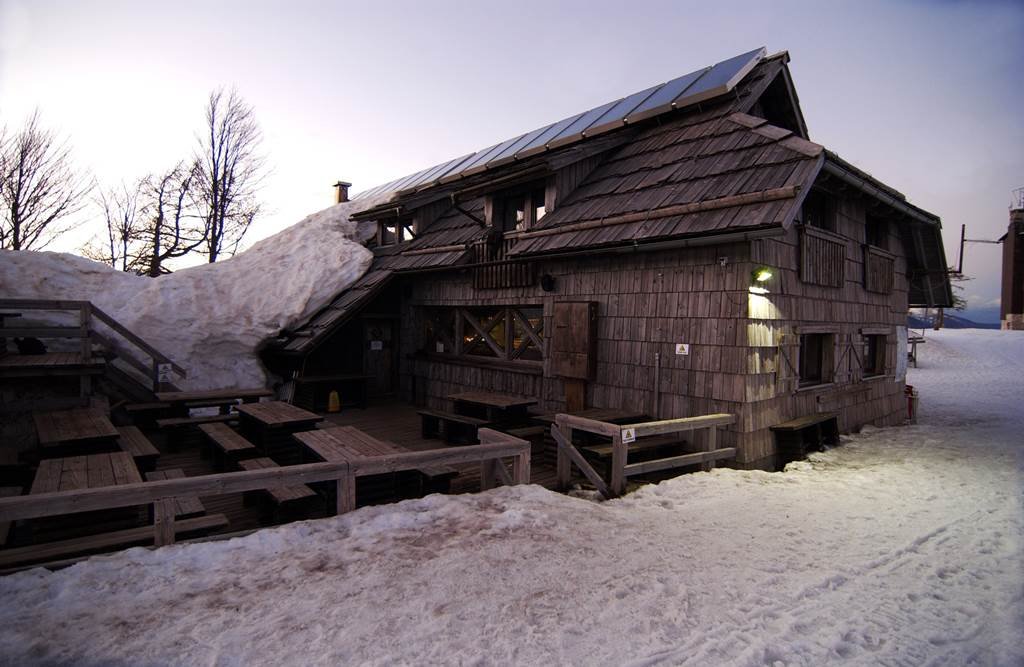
pixel 730 172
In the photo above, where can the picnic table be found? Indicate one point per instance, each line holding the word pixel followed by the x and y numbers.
pixel 348 443
pixel 493 407
pixel 913 342
pixel 85 472
pixel 81 427
pixel 262 422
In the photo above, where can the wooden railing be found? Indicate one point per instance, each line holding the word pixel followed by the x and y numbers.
pixel 160 494
pixel 115 336
pixel 562 432
pixel 495 270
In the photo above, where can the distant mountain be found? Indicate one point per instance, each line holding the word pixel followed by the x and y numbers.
pixel 951 321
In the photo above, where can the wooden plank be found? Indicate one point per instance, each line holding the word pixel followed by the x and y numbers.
pixel 589 425
pixel 212 394
pixel 618 480
pixel 47 479
pixel 163 522
pixel 680 425
pixel 73 473
pixel 679 461
pixel 491 399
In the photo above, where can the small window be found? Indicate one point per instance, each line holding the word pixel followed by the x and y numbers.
pixel 815 359
pixel 874 355
pixel 876 230
pixel 520 208
pixel 819 211
pixel 395 231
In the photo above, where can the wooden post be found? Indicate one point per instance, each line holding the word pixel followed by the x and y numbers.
pixel 346 493
pixel 563 466
pixel 521 468
pixel 85 317
pixel 487 474
pixel 163 522
pixel 617 483
pixel 711 445
pixel 575 395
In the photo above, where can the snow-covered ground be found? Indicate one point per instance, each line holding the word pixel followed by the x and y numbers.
pixel 903 547
pixel 210 318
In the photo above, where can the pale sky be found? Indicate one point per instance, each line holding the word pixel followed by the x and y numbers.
pixel 925 96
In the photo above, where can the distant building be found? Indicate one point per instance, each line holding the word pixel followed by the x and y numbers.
pixel 1011 309
pixel 680 251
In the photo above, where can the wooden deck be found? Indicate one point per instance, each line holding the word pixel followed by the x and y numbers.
pixel 399 423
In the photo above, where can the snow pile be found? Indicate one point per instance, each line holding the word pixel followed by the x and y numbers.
pixel 209 319
pixel 901 547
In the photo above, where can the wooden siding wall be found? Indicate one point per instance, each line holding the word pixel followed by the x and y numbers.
pixel 845 312
pixel 648 302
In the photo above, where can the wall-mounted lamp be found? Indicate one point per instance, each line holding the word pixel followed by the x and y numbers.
pixel 547 282
pixel 761 274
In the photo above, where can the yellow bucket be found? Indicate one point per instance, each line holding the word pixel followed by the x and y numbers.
pixel 333 402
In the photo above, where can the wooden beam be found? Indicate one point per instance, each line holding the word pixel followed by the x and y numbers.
pixel 581 463
pixel 589 425
pixel 502 472
pixel 679 461
pixel 163 522
pixel 619 454
pixel 680 425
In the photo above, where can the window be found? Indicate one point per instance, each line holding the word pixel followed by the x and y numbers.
pixel 873 356
pixel 819 211
pixel 875 232
pixel 485 332
pixel 519 208
pixel 815 359
pixel 398 230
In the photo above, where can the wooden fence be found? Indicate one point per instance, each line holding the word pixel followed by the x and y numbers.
pixel 114 336
pixel 562 432
pixel 161 494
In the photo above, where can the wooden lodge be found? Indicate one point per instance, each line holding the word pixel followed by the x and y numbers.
pixel 673 279
pixel 683 251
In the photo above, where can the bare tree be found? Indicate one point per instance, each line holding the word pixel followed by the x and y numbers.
pixel 230 170
pixel 39 187
pixel 175 229
pixel 124 213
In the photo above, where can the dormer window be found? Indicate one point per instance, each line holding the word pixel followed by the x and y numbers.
pixel 519 208
pixel 875 231
pixel 395 230
pixel 819 211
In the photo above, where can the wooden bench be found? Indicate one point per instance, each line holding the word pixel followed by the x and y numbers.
pixel 177 422
pixel 51 551
pixel 795 438
pixel 5 526
pixel 282 497
pixel 184 508
pixel 130 439
pixel 456 429
pixel 232 446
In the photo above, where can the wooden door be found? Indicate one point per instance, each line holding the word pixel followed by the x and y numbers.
pixel 379 350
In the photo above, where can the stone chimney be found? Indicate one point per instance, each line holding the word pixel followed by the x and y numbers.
pixel 341 192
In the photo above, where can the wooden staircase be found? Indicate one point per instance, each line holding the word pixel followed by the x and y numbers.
pixel 83 342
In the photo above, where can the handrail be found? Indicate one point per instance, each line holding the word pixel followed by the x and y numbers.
pixel 87 310
pixel 568 455
pixel 161 493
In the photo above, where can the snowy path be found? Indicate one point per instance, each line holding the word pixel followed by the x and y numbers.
pixel 903 547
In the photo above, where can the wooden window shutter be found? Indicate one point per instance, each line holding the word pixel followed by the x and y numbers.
pixel 574 340
pixel 787 374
